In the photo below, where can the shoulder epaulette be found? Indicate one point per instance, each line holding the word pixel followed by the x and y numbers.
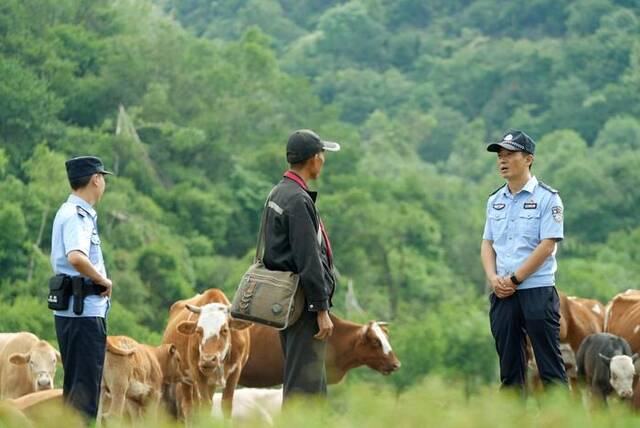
pixel 81 211
pixel 546 187
pixel 497 190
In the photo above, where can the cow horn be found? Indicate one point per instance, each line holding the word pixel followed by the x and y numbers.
pixel 194 309
pixel 382 323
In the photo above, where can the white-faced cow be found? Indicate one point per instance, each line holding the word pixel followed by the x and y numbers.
pixel 215 349
pixel 605 363
pixel 351 345
pixel 27 364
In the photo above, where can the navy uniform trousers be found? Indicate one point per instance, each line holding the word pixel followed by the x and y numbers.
pixel 82 343
pixel 533 312
pixel 304 358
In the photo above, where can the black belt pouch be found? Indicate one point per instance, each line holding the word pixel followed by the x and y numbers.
pixel 77 289
pixel 59 292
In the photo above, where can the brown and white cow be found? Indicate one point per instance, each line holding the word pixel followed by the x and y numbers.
pixel 623 317
pixel 579 318
pixel 351 345
pixel 134 376
pixel 27 364
pixel 215 346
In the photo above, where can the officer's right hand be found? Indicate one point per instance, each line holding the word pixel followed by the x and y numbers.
pixel 106 283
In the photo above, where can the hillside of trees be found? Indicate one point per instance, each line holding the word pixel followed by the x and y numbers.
pixel 412 89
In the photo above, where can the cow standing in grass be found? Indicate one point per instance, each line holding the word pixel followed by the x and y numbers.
pixel 27 364
pixel 214 347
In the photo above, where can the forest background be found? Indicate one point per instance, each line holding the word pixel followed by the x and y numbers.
pixel 412 89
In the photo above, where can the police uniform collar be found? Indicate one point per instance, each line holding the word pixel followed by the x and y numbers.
pixel 529 187
pixel 79 202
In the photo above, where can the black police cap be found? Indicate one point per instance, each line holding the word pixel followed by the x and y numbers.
pixel 305 143
pixel 516 141
pixel 83 166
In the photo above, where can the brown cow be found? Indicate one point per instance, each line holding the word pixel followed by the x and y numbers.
pixel 215 346
pixel 27 364
pixel 351 345
pixel 134 376
pixel 579 319
pixel 623 317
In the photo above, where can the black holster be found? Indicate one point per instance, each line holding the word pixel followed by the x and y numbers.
pixel 80 288
pixel 59 292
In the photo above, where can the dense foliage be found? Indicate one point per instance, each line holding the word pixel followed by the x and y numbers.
pixel 412 89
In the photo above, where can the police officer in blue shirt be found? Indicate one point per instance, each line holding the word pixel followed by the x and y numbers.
pixel 76 255
pixel 523 227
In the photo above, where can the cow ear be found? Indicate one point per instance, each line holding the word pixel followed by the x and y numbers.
pixel 604 358
pixel 237 324
pixel 19 359
pixel 187 327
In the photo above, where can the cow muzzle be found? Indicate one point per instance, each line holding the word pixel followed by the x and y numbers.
pixel 44 382
pixel 625 393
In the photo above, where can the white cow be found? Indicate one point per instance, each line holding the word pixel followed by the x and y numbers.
pixel 251 405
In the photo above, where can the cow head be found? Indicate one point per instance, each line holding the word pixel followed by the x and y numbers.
pixel 41 362
pixel 374 349
pixel 173 371
pixel 621 372
pixel 213 333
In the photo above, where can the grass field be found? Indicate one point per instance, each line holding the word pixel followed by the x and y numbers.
pixel 435 403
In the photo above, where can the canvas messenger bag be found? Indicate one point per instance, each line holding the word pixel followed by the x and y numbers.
pixel 268 297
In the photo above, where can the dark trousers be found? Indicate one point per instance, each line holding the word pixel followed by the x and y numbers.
pixel 535 313
pixel 82 346
pixel 304 358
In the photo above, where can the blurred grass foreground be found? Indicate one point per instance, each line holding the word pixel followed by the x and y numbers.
pixel 433 403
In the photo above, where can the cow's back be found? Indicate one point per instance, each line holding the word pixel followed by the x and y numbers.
pixel 14 380
pixel 623 317
pixel 581 318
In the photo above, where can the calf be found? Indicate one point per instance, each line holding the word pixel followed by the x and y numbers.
pixel 351 345
pixel 606 364
pixel 27 364
pixel 134 376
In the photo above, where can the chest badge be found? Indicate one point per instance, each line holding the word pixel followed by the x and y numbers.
pixel 498 206
pixel 531 205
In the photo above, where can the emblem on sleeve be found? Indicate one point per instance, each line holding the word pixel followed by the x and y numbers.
pixel 557 214
pixel 498 206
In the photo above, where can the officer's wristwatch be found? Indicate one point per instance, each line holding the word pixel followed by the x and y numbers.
pixel 514 279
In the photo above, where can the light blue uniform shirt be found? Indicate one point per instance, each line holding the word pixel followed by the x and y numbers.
pixel 517 223
pixel 76 228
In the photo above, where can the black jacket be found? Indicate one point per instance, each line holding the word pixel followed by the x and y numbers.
pixel 293 242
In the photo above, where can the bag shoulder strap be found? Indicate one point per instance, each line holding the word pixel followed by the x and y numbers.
pixel 260 247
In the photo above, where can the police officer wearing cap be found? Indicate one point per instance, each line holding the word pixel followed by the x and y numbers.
pixel 523 227
pixel 296 241
pixel 76 254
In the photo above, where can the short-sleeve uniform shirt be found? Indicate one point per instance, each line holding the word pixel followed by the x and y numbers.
pixel 75 228
pixel 517 223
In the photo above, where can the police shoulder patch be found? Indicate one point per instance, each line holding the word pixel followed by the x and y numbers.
pixel 547 187
pixel 497 190
pixel 81 211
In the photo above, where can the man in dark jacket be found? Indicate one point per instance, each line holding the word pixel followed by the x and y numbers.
pixel 296 241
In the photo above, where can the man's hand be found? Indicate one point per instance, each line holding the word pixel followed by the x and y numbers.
pixel 325 325
pixel 106 283
pixel 502 286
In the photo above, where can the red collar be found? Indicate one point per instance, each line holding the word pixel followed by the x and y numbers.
pixel 295 177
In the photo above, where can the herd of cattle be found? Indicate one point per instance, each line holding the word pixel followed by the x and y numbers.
pixel 203 350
